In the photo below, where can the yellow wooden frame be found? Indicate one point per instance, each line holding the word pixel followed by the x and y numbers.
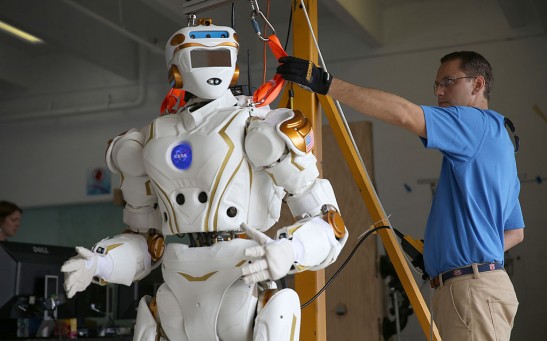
pixel 313 326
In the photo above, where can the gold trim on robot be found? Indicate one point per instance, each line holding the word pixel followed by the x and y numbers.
pixel 296 129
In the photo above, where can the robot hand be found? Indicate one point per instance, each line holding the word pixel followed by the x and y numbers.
pixel 79 271
pixel 305 73
pixel 274 258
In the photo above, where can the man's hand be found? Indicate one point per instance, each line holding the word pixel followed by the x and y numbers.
pixel 305 73
pixel 274 258
pixel 79 271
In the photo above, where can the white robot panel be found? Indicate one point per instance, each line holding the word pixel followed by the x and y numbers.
pixel 199 170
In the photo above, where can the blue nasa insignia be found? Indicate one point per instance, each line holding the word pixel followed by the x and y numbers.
pixel 181 156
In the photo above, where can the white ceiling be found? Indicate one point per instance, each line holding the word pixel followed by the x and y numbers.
pixel 92 45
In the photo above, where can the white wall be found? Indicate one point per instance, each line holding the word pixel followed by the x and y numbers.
pixel 46 160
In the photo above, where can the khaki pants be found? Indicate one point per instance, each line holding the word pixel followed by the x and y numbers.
pixel 478 307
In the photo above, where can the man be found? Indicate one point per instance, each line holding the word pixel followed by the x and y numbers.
pixel 476 214
pixel 10 219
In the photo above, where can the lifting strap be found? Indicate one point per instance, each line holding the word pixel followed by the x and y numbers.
pixel 269 91
pixel 173 97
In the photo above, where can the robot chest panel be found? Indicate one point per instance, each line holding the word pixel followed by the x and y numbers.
pixel 196 173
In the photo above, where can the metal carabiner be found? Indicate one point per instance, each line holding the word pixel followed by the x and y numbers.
pixel 254 5
pixel 256 11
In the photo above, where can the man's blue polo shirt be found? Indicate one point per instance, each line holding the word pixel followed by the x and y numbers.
pixel 476 198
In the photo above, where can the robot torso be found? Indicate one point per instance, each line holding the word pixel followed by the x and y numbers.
pixel 196 164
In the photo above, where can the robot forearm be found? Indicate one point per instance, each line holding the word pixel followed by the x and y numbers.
pixel 314 242
pixel 125 258
pixel 317 241
pixel 282 143
pixel 309 244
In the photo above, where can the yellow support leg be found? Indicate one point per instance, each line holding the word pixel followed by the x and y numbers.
pixel 313 326
pixel 314 320
pixel 378 214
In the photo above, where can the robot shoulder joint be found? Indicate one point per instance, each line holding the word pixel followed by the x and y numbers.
pixel 297 131
pixel 124 154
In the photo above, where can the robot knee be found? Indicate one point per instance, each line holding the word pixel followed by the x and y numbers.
pixel 280 317
pixel 146 325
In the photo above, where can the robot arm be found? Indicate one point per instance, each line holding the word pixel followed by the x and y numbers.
pixel 122 259
pixel 124 157
pixel 281 143
pixel 132 255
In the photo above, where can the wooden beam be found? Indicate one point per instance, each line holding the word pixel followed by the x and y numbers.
pixel 378 215
pixel 313 326
pixel 314 321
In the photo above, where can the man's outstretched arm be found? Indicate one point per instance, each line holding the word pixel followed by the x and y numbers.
pixel 384 106
pixel 379 104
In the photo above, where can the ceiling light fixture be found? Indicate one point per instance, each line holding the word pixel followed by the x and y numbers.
pixel 14 31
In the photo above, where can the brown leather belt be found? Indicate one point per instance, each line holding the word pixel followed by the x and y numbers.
pixel 466 270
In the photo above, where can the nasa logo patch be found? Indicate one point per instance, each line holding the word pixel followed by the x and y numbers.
pixel 181 156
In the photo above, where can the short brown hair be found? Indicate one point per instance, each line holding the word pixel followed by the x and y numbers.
pixel 474 64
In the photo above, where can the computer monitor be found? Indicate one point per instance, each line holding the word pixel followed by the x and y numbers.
pixel 28 271
pixel 25 270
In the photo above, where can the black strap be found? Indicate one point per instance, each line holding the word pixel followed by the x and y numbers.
pixel 511 127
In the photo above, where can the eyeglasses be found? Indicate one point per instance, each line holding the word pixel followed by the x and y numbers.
pixel 448 82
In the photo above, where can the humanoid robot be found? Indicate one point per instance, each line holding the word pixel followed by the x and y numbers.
pixel 216 171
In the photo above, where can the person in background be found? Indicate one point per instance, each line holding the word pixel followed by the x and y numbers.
pixel 476 213
pixel 10 219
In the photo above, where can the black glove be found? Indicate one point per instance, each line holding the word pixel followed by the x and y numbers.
pixel 305 73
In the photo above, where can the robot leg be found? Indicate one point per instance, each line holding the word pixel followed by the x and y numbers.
pixel 279 320
pixel 237 312
pixel 149 326
pixel 146 326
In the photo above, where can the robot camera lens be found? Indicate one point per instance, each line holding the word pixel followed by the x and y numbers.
pixel 208 36
pixel 214 81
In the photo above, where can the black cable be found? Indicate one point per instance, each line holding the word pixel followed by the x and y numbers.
pixel 249 85
pixel 233 16
pixel 288 30
pixel 365 235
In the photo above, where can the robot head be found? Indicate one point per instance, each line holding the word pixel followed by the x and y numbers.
pixel 202 59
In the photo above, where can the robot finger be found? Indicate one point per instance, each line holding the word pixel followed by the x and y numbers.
pixel 255 251
pixel 72 264
pixel 257 277
pixel 260 237
pixel 255 267
pixel 85 253
pixel 71 292
pixel 71 287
